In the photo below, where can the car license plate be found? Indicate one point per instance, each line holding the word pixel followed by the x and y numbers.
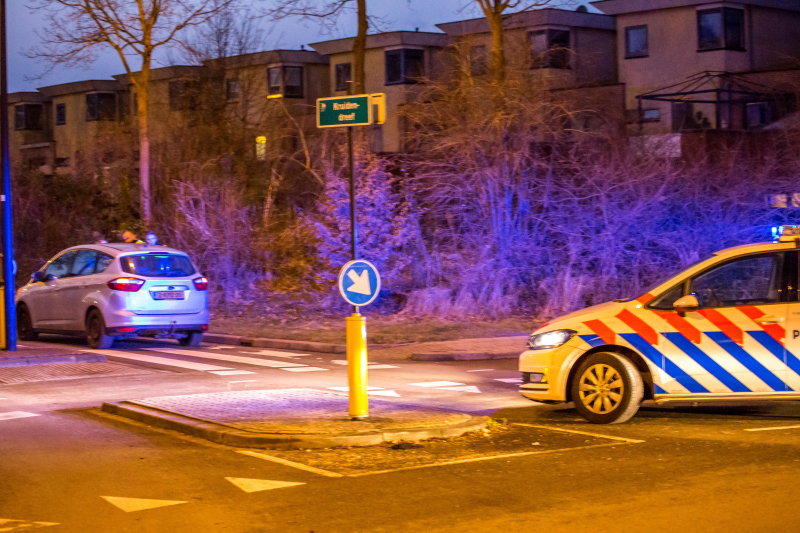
pixel 168 295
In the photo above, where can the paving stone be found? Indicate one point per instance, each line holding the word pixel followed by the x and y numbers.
pixel 24 374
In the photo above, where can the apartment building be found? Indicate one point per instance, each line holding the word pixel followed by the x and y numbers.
pixel 30 131
pixel 395 63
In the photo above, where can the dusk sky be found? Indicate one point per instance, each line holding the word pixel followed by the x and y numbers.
pixel 396 14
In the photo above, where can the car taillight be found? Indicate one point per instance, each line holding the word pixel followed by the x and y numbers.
pixel 201 284
pixel 125 284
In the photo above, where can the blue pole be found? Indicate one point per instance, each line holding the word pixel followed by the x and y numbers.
pixel 5 198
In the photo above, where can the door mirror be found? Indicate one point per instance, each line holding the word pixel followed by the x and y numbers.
pixel 686 304
pixel 38 276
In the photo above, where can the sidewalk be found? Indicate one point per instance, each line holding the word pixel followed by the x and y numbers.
pixel 293 419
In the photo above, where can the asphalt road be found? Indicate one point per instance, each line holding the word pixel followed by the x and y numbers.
pixel 669 469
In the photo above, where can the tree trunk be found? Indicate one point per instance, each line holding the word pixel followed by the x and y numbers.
pixel 142 100
pixel 495 20
pixel 360 48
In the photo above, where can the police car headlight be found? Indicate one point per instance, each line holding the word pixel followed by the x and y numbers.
pixel 551 339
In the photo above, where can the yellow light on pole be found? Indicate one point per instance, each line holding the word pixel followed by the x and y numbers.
pixel 357 365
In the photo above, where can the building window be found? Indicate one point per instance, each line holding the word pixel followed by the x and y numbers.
pixel 28 117
pixel 757 114
pixel 720 28
pixel 651 115
pixel 61 114
pixel 404 66
pixel 550 48
pixel 62 162
pixel 636 41
pixel 477 60
pixel 343 75
pixel 232 90
pixel 287 81
pixel 101 106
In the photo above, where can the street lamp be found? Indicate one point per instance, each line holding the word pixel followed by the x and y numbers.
pixel 9 340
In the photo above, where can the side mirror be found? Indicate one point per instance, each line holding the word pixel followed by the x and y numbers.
pixel 687 304
pixel 38 276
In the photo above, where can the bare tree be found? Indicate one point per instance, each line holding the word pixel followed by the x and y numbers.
pixel 327 13
pixel 78 29
pixel 232 32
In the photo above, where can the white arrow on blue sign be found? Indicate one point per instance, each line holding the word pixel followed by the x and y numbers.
pixel 359 282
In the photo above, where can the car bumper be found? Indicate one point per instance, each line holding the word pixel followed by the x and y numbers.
pixel 545 372
pixel 127 319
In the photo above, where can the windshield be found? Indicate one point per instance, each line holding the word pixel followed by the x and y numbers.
pixel 667 278
pixel 156 265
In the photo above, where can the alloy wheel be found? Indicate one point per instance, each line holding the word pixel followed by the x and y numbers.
pixel 601 388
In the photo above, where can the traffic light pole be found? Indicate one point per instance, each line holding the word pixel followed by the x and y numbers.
pixel 9 287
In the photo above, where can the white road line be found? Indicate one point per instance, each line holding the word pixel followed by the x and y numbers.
pixel 230 372
pixel 773 429
pixel 623 439
pixel 16 414
pixel 277 354
pixel 305 369
pixel 289 463
pixel 482 370
pixel 436 384
pixel 244 381
pixel 226 357
pixel 509 380
pixel 463 388
pixel 160 360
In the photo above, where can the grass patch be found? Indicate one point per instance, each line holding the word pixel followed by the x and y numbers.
pixel 381 329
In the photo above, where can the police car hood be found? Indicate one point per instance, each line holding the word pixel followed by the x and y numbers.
pixel 600 309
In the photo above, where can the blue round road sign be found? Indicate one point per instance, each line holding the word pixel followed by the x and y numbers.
pixel 359 282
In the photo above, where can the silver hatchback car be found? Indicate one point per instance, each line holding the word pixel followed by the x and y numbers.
pixel 110 291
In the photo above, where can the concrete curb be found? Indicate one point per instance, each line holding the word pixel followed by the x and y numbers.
pixel 232 437
pixel 280 344
pixel 32 360
pixel 462 356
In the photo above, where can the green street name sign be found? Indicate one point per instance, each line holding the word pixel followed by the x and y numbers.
pixel 347 110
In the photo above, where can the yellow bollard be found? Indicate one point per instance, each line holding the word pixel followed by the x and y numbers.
pixel 357 365
pixel 3 336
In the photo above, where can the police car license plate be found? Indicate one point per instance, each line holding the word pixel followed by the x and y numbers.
pixel 168 295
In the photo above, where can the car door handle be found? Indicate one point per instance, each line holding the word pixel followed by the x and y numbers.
pixel 768 319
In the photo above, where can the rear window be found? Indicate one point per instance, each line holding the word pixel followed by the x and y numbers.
pixel 157 265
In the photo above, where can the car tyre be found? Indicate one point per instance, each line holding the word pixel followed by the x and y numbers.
pixel 193 339
pixel 25 329
pixel 607 389
pixel 96 331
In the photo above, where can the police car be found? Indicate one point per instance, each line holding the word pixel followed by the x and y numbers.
pixel 726 328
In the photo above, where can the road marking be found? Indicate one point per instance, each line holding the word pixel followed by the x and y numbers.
pixel 226 357
pixel 16 414
pixel 160 360
pixel 305 369
pixel 9 524
pixel 277 354
pixel 289 463
pixel 436 384
pixel 230 372
pixel 130 505
pixel 244 381
pixel 463 388
pixel 773 429
pixel 623 439
pixel 509 380
pixel 482 370
pixel 257 485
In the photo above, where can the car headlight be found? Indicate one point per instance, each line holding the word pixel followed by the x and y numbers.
pixel 550 339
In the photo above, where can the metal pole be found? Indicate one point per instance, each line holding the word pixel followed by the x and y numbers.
pixel 8 243
pixel 353 226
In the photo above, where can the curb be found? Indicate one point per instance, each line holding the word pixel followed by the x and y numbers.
pixel 33 360
pixel 237 438
pixel 302 346
pixel 463 356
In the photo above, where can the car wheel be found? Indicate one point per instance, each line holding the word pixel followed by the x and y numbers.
pixel 607 389
pixel 25 329
pixel 96 331
pixel 193 339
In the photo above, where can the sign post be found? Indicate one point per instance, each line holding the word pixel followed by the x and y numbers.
pixel 359 281
pixel 9 330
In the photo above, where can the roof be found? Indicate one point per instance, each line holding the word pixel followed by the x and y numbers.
pixel 621 7
pixel 86 86
pixel 529 19
pixel 119 248
pixel 169 73
pixel 382 40
pixel 268 57
pixel 27 97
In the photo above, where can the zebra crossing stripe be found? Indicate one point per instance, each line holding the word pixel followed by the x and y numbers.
pixel 749 362
pixel 671 369
pixel 702 359
pixel 731 330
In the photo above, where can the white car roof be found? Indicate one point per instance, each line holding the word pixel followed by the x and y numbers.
pixel 118 249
